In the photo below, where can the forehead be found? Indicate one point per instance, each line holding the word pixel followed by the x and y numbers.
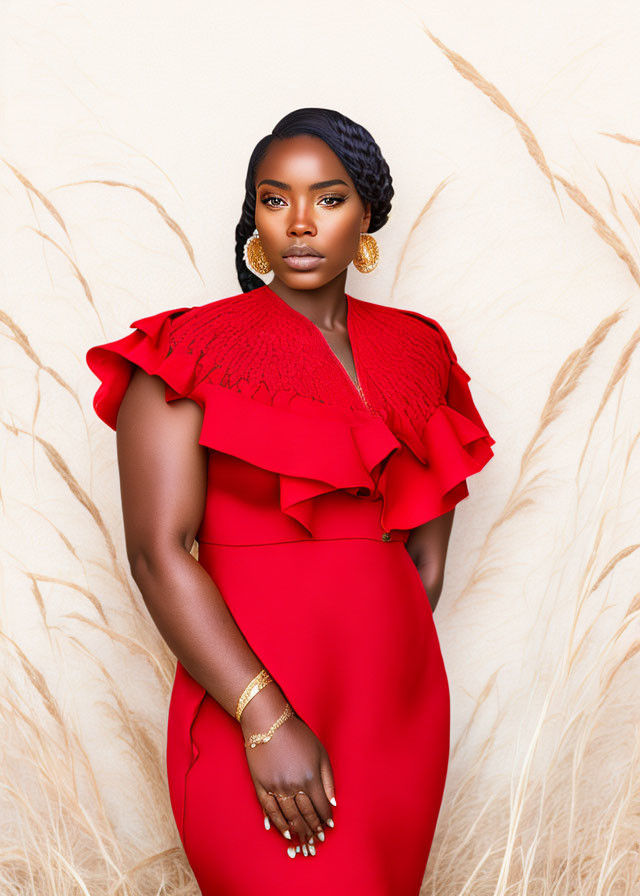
pixel 300 160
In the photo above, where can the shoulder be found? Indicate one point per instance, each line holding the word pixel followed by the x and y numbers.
pixel 424 333
pixel 174 344
pixel 190 327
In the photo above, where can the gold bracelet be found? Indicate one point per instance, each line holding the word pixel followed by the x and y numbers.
pixel 256 684
pixel 255 739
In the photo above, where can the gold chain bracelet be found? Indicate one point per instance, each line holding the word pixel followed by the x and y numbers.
pixel 256 684
pixel 254 739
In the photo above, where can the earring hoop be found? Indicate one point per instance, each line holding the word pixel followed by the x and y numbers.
pixel 368 254
pixel 254 255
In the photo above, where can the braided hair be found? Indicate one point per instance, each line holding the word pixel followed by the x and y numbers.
pixel 356 149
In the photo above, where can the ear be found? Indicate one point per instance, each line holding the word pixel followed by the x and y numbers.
pixel 366 219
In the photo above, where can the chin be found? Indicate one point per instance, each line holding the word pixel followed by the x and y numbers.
pixel 303 279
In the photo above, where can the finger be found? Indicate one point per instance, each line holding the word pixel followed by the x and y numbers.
pixel 261 793
pixel 271 808
pixel 308 812
pixel 295 819
pixel 321 806
pixel 326 774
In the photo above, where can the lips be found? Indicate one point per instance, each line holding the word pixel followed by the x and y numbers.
pixel 303 251
pixel 303 262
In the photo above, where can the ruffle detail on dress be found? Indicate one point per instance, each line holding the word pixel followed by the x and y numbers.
pixel 314 450
pixel 427 477
pixel 148 347
pixel 418 469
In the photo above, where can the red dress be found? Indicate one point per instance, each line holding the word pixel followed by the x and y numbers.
pixel 313 487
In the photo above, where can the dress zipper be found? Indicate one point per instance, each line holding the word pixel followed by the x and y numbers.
pixel 356 387
pixel 364 400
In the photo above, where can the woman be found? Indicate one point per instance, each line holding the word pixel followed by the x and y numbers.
pixel 315 445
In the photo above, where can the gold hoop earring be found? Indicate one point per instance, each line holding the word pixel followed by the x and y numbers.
pixel 368 254
pixel 254 255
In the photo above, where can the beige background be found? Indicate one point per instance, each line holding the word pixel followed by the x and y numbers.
pixel 513 137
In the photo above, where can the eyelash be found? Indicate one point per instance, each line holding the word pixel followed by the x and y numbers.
pixel 338 200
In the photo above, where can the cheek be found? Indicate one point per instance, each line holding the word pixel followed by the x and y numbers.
pixel 261 218
pixel 269 229
pixel 344 231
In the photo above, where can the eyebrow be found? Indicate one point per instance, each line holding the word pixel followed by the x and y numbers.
pixel 320 185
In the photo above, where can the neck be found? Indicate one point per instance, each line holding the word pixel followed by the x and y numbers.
pixel 325 306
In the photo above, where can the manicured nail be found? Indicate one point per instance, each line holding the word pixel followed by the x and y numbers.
pixel 304 849
pixel 298 848
pixel 333 801
pixel 321 836
pixel 310 840
pixel 292 852
pixel 267 823
pixel 287 834
pixel 312 849
pixel 330 822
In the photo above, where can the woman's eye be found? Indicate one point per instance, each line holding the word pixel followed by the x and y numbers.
pixel 334 200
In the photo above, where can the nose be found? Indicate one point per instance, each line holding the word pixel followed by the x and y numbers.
pixel 301 219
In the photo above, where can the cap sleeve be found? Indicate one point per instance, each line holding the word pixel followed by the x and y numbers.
pixel 447 445
pixel 460 443
pixel 154 346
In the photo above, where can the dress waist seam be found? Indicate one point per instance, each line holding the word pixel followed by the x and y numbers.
pixel 399 535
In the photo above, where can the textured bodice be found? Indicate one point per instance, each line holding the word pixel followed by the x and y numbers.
pixel 259 346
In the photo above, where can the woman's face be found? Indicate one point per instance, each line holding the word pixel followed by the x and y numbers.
pixel 304 197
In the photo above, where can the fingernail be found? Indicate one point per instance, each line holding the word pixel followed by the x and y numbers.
pixel 312 849
pixel 321 836
pixel 330 822
pixel 292 852
pixel 333 801
pixel 287 834
pixel 267 823
pixel 304 849
pixel 297 848
pixel 310 840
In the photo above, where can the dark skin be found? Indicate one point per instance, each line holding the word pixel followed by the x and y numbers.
pixel 163 483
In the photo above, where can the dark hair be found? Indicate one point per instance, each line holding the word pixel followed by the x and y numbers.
pixel 356 149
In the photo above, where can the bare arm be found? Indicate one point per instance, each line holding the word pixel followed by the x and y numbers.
pixel 427 545
pixel 163 482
